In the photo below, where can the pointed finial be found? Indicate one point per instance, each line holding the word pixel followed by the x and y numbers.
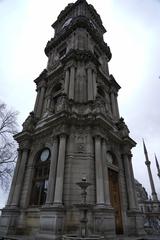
pixel 144 147
pixel 157 165
pixel 147 162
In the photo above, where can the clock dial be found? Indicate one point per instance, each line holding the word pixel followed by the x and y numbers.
pixel 45 155
pixel 67 22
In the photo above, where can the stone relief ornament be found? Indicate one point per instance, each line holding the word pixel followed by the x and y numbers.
pixel 122 127
pixel 30 122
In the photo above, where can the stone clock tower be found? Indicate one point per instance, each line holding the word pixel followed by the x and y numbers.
pixel 74 131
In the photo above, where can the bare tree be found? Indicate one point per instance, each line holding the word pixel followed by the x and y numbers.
pixel 8 127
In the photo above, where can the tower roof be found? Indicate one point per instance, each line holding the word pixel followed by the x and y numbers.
pixel 71 6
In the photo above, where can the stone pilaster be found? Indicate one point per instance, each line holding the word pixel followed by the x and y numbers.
pixel 20 177
pixel 52 172
pixel 94 85
pixel 128 176
pixel 90 84
pixel 117 108
pixel 37 100
pixel 105 173
pixel 66 85
pixel 72 82
pixel 14 180
pixel 60 170
pixel 133 181
pixel 113 104
pixel 99 172
pixel 40 99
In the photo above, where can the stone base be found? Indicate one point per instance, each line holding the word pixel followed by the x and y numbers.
pixel 9 221
pixel 135 224
pixel 51 223
pixel 104 221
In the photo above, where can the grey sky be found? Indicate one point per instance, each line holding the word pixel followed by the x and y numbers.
pixel 133 35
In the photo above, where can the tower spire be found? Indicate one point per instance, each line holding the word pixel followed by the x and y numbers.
pixel 157 165
pixel 148 163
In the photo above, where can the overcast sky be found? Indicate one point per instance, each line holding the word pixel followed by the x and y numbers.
pixel 133 34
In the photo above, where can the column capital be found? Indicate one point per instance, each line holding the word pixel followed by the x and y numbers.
pixel 97 137
pixel 62 135
pixel 19 150
pixel 54 139
pixel 42 84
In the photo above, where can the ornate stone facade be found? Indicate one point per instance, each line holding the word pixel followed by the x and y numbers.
pixel 75 131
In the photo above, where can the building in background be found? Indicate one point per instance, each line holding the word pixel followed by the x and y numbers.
pixel 75 131
pixel 149 206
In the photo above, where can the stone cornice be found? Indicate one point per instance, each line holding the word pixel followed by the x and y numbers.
pixel 23 137
pixel 41 77
pixel 129 142
pixel 83 22
pixel 80 55
pixel 71 6
pixel 113 83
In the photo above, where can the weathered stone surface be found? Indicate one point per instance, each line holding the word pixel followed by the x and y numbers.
pixel 74 132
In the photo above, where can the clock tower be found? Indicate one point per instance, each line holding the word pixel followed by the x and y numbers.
pixel 74 131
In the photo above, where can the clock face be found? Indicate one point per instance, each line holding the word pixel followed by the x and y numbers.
pixel 67 22
pixel 45 155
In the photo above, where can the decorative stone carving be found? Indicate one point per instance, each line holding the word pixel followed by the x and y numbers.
pixel 62 104
pixel 30 122
pixel 122 127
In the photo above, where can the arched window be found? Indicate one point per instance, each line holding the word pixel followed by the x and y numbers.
pixel 40 179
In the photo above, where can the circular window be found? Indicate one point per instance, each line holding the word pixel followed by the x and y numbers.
pixel 45 154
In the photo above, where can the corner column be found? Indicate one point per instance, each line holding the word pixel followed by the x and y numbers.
pixel 113 104
pixel 20 177
pixel 128 175
pixel 99 172
pixel 133 182
pixel 60 170
pixel 52 172
pixel 71 83
pixel 40 99
pixel 105 173
pixel 37 100
pixel 66 84
pixel 90 84
pixel 14 177
pixel 94 85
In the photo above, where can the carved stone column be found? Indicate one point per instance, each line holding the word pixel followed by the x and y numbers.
pixel 133 181
pixel 52 172
pixel 105 173
pixel 41 99
pixel 128 177
pixel 37 100
pixel 14 177
pixel 66 85
pixel 90 84
pixel 20 177
pixel 116 103
pixel 60 170
pixel 99 172
pixel 113 104
pixel 71 83
pixel 94 85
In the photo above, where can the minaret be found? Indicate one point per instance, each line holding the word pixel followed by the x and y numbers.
pixel 148 163
pixel 158 168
